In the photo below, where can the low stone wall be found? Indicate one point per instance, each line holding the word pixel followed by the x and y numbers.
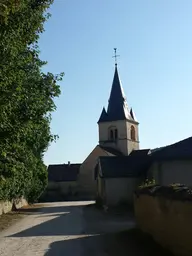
pixel 7 206
pixel 166 216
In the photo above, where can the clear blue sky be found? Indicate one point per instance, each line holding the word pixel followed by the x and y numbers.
pixel 154 39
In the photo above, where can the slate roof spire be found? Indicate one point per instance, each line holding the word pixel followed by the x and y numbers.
pixel 133 115
pixel 103 116
pixel 117 105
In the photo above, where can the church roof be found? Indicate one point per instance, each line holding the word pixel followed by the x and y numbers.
pixel 117 106
pixel 103 116
pixel 140 152
pixel 63 172
pixel 111 151
pixel 132 114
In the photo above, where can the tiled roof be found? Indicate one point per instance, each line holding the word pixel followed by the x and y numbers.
pixel 178 150
pixel 63 172
pixel 124 166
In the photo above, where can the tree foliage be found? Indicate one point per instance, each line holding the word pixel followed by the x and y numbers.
pixel 26 102
pixel 8 6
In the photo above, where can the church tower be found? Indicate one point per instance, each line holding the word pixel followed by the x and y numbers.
pixel 118 127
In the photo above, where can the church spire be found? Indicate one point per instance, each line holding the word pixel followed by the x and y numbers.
pixel 117 107
pixel 103 117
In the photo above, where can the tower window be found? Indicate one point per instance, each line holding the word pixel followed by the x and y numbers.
pixel 113 133
pixel 133 137
pixel 116 134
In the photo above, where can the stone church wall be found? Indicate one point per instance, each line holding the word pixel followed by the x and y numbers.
pixel 86 183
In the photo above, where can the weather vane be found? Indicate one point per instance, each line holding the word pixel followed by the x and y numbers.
pixel 116 56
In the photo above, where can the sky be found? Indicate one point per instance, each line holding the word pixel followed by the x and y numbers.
pixel 154 41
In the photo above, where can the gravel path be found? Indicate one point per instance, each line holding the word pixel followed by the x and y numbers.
pixel 63 228
pixel 46 232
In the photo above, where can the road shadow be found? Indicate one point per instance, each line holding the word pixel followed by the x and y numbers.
pixel 46 209
pixel 132 243
pixel 74 220
pixel 87 231
pixel 56 221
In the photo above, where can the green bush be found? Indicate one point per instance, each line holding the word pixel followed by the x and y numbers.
pixel 171 192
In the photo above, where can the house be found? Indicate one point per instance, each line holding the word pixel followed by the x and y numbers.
pixel 118 177
pixel 172 164
pixel 62 180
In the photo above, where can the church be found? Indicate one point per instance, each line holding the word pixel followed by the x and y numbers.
pixel 117 155
pixel 117 165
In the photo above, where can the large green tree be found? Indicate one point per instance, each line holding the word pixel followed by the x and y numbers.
pixel 7 7
pixel 26 102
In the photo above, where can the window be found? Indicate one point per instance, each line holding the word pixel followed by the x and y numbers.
pixel 113 133
pixel 133 137
pixel 116 134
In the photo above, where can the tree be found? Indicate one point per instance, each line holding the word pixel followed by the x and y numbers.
pixel 26 102
pixel 8 6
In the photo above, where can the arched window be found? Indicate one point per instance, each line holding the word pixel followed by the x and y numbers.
pixel 133 137
pixel 113 133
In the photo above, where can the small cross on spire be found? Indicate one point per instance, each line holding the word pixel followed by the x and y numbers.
pixel 115 56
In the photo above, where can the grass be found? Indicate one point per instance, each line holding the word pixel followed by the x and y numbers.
pixel 8 219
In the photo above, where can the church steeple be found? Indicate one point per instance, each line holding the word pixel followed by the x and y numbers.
pixel 117 106
pixel 118 126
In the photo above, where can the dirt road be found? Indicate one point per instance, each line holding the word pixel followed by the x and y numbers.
pixel 66 228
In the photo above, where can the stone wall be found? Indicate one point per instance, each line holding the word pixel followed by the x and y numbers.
pixel 86 183
pixel 7 206
pixel 167 218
